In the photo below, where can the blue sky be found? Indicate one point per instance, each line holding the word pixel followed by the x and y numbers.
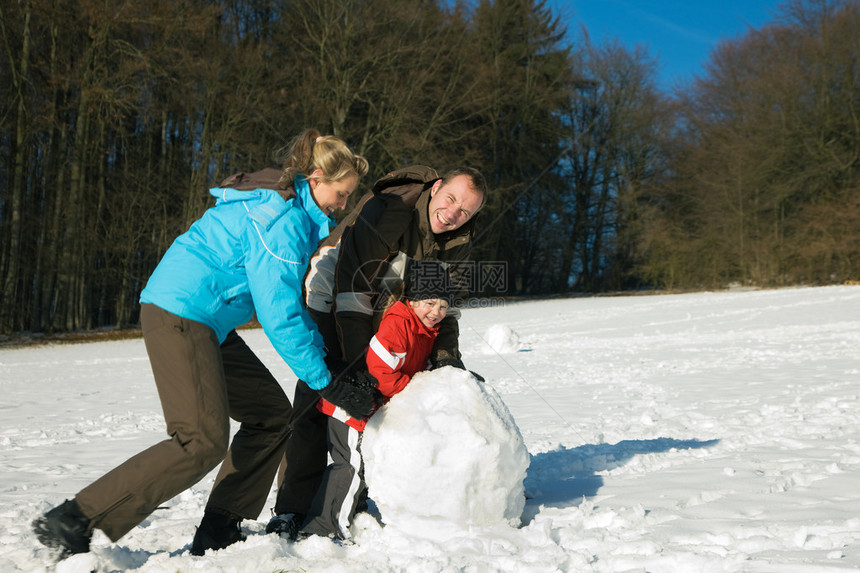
pixel 679 34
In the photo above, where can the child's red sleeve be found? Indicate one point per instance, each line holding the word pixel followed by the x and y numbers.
pixel 386 355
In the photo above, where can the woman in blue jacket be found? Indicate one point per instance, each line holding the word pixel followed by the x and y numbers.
pixel 249 253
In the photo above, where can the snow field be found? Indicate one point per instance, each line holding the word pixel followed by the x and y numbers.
pixel 696 432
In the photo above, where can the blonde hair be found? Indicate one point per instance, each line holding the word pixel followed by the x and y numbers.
pixel 310 151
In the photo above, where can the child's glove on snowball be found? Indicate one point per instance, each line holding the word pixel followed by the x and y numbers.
pixel 456 363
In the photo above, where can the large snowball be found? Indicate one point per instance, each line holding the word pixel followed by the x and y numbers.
pixel 445 454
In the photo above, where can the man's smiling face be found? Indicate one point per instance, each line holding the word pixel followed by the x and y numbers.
pixel 452 204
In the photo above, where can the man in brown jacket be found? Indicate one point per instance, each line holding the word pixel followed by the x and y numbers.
pixel 411 214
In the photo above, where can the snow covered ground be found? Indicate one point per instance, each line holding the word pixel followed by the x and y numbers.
pixel 696 432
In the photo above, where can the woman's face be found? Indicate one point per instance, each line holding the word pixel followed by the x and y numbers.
pixel 331 197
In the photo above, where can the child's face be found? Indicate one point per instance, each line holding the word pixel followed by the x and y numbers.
pixel 430 311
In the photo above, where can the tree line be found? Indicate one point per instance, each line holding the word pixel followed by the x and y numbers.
pixel 118 116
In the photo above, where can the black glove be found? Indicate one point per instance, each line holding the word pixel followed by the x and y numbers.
pixel 355 392
pixel 448 361
pixel 456 363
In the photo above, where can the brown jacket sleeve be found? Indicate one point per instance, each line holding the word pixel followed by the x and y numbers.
pixel 364 253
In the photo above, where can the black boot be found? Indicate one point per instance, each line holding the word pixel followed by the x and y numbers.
pixel 216 531
pixel 286 525
pixel 65 527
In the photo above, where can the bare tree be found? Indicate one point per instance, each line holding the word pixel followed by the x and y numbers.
pixel 9 259
pixel 618 125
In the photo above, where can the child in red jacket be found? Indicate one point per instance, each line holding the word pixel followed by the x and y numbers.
pixel 400 348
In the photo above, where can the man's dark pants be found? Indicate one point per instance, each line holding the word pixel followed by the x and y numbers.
pixel 307 450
